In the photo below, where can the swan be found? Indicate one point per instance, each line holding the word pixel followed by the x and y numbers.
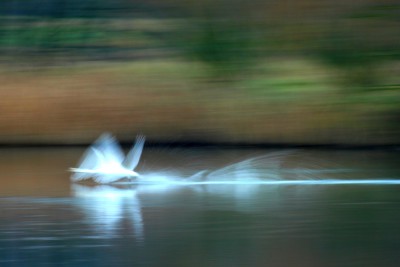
pixel 105 161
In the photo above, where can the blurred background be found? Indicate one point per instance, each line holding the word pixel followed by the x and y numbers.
pixel 248 72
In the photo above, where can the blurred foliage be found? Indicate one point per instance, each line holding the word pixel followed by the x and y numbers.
pixel 219 34
pixel 230 38
pixel 315 70
pixel 359 41
pixel 223 46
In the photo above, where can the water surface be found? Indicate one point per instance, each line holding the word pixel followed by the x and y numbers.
pixel 46 220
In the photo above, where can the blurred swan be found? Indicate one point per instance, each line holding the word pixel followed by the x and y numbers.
pixel 105 161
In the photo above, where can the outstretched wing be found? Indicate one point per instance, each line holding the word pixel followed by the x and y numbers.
pixel 104 150
pixel 109 148
pixel 133 157
pixel 92 159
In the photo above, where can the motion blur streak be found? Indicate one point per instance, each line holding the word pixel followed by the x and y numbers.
pixel 241 72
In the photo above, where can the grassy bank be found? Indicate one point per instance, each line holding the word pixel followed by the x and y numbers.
pixel 279 101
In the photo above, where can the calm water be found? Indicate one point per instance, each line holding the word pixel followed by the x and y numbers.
pixel 47 221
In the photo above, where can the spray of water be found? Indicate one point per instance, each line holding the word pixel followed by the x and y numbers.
pixel 105 163
pixel 261 170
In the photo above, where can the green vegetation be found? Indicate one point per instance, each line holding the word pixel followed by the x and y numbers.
pixel 309 66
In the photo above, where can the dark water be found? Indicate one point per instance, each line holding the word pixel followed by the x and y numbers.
pixel 47 221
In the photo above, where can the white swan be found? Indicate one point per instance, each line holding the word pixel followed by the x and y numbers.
pixel 105 162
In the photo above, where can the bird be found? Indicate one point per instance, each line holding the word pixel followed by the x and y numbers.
pixel 105 162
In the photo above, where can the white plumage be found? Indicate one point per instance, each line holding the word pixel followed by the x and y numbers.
pixel 105 161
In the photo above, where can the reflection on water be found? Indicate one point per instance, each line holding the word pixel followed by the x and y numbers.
pixel 47 221
pixel 105 206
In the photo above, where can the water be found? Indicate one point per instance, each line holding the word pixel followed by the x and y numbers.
pixel 47 221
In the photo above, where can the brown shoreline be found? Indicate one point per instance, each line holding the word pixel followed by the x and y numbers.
pixel 74 106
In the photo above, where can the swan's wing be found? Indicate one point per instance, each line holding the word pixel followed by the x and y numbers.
pixel 109 148
pixel 77 175
pixel 105 150
pixel 133 157
pixel 92 159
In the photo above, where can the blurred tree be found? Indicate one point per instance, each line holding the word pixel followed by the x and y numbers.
pixel 220 34
pixel 227 36
pixel 358 39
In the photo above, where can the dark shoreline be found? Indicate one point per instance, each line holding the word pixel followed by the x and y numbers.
pixel 219 145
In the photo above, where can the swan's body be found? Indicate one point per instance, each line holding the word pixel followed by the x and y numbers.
pixel 105 162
